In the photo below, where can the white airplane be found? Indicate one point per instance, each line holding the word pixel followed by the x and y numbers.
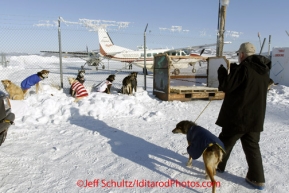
pixel 179 58
pixel 92 58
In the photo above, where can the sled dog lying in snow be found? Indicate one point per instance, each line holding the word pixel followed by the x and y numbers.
pixel 202 142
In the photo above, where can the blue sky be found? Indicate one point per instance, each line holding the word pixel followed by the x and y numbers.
pixel 197 19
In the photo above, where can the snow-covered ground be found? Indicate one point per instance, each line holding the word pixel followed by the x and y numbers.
pixel 120 143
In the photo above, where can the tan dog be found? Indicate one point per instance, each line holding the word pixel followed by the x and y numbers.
pixel 202 142
pixel 78 90
pixel 14 91
pixel 34 79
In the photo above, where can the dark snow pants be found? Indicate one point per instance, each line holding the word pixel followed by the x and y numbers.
pixel 250 144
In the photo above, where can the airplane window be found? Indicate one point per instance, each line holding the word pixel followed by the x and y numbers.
pixel 149 55
pixel 184 53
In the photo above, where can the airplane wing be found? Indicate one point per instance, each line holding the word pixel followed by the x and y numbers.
pixel 79 54
pixel 196 47
pixel 92 58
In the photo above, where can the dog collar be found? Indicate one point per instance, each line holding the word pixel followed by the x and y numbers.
pixel 45 75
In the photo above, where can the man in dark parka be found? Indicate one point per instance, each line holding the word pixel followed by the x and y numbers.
pixel 243 110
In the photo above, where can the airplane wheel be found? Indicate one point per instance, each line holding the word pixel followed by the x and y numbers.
pixel 177 71
pixel 194 70
pixel 103 67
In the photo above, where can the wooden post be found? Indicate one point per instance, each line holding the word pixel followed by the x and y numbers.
pixel 222 29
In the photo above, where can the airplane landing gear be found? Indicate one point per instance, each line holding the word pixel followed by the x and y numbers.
pixel 193 70
pixel 97 64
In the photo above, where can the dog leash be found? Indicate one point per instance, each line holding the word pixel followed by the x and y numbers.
pixel 203 111
pixel 119 70
pixel 116 72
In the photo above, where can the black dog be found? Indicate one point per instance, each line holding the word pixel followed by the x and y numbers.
pixel 80 76
pixel 105 85
pixel 110 78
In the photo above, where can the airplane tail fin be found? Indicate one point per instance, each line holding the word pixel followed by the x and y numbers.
pixel 106 46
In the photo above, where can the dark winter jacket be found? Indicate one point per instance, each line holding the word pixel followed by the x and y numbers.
pixel 200 139
pixel 245 88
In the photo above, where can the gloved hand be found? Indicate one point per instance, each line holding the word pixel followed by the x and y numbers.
pixel 222 74
pixel 233 65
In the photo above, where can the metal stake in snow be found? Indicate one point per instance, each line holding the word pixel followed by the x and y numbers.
pixel 203 111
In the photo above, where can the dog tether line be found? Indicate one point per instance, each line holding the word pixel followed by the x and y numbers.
pixel 203 110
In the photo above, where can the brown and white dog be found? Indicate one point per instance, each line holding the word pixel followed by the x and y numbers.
pixel 34 79
pixel 14 91
pixel 78 90
pixel 202 142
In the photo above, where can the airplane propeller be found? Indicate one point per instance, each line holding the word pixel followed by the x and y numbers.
pixel 200 63
pixel 202 51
